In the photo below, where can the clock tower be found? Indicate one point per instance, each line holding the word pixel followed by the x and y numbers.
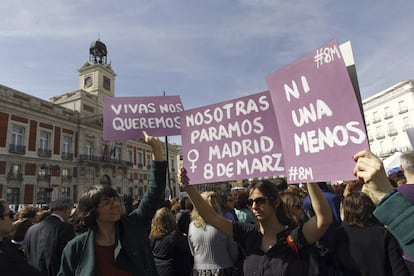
pixel 96 76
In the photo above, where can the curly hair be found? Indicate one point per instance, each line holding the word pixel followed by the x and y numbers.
pixel 209 197
pixel 358 210
pixel 162 223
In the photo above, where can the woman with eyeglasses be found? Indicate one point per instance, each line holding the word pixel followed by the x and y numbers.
pixel 271 246
pixel 116 243
pixel 12 262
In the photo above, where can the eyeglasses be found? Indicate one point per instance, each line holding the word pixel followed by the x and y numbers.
pixel 109 201
pixel 229 200
pixel 258 201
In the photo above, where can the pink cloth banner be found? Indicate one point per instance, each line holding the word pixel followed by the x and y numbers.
pixel 126 117
pixel 232 140
pixel 318 115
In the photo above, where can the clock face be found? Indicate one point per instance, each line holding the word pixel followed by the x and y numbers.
pixel 88 82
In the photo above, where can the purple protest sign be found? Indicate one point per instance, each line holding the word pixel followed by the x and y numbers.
pixel 318 115
pixel 126 117
pixel 232 140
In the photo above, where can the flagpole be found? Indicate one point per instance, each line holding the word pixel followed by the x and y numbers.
pixel 168 163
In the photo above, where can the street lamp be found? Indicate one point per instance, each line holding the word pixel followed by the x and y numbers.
pixel 48 173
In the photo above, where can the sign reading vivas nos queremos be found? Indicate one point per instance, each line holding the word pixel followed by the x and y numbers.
pixel 126 117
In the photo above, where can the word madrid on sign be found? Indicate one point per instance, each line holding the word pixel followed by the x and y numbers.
pixel 126 117
pixel 318 113
pixel 236 139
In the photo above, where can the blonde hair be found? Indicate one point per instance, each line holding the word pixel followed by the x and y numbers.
pixel 209 197
pixel 162 223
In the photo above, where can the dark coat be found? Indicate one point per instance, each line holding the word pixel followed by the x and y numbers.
pixel 132 251
pixel 44 243
pixel 12 263
pixel 172 254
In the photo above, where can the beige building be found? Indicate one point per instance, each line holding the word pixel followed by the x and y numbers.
pixel 388 116
pixel 51 149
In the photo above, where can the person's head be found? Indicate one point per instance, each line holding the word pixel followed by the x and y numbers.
pixel 264 202
pixel 352 186
pixel 281 184
pixel 28 212
pixel 97 203
pixel 226 202
pixel 162 223
pixel 294 206
pixel 358 210
pixel 407 165
pixel 240 199
pixel 6 219
pixel 20 228
pixel 62 206
pixel 210 198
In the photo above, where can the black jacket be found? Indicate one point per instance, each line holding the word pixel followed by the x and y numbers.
pixel 172 254
pixel 12 263
pixel 44 243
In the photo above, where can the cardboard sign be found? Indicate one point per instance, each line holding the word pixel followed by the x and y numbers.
pixel 318 115
pixel 232 140
pixel 126 117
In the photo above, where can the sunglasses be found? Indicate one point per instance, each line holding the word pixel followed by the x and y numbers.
pixel 258 201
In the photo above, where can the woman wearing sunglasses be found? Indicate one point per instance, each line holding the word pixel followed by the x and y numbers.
pixel 115 243
pixel 271 246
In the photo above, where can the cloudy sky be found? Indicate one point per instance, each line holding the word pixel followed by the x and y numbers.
pixel 206 51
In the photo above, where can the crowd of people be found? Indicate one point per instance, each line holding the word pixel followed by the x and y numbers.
pixel 360 227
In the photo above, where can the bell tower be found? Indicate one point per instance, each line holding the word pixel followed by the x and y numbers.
pixel 96 76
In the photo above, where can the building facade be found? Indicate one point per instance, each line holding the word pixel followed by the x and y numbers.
pixel 389 117
pixel 51 149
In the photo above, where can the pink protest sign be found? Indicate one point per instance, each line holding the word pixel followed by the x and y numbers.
pixel 126 117
pixel 318 115
pixel 232 140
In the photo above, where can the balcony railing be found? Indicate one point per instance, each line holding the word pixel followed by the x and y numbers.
pixel 102 159
pixel 43 177
pixel 139 165
pixel 387 115
pixel 376 120
pixel 380 136
pixel 67 156
pixel 15 176
pixel 403 110
pixel 66 178
pixel 392 132
pixel 19 149
pixel 44 152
